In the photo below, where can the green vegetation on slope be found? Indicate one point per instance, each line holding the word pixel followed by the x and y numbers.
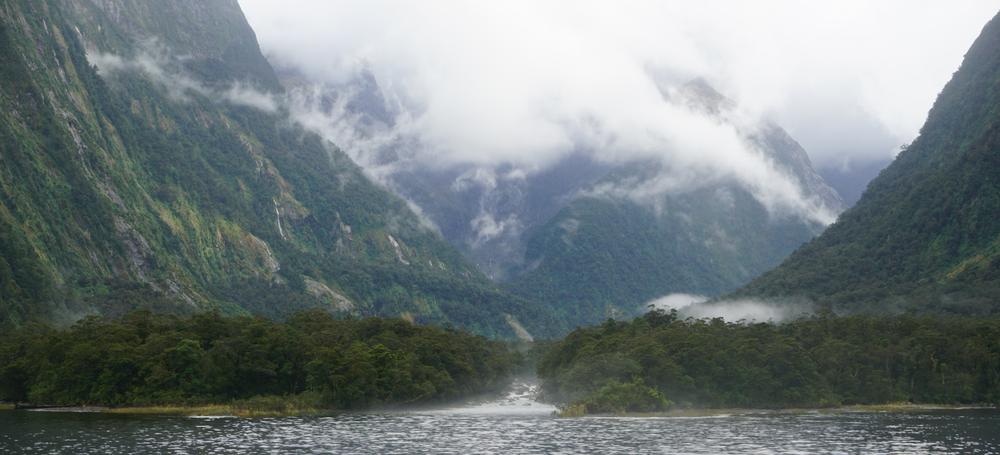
pixel 821 361
pixel 313 360
pixel 605 257
pixel 616 397
pixel 926 233
pixel 630 237
pixel 133 176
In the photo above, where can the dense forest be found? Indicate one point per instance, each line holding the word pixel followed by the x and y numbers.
pixel 149 163
pixel 824 360
pixel 925 236
pixel 589 268
pixel 313 358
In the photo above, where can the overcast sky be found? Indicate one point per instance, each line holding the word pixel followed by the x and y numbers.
pixel 851 80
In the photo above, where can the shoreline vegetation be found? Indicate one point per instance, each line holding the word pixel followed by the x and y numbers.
pixel 232 409
pixel 251 365
pixel 657 363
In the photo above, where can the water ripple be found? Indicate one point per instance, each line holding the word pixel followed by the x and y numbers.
pixel 440 432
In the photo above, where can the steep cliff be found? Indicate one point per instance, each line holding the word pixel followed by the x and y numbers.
pixel 926 233
pixel 148 162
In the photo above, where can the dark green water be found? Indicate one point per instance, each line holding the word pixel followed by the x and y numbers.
pixel 483 430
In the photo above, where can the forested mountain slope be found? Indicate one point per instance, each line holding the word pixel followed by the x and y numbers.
pixel 606 253
pixel 926 233
pixel 146 160
pixel 585 237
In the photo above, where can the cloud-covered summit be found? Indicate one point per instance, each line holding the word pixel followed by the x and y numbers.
pixel 489 117
pixel 521 81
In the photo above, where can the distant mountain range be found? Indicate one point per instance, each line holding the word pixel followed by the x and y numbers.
pixel 607 252
pixel 571 236
pixel 925 236
pixel 151 158
pixel 851 181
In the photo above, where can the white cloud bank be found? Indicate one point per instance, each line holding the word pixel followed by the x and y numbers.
pixel 698 307
pixel 525 84
pixel 154 60
pixel 521 81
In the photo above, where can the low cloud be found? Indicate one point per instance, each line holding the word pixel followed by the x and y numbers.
pixel 151 61
pixel 524 81
pixel 700 307
pixel 160 66
pixel 691 148
pixel 324 109
pixel 523 85
pixel 695 149
pixel 244 95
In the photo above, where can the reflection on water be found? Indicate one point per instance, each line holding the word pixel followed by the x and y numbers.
pixel 515 424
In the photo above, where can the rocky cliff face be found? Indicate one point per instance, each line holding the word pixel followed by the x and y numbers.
pixel 148 161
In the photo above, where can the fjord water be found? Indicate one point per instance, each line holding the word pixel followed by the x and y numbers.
pixel 515 424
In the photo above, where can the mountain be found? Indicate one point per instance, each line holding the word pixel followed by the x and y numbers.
pixel 481 209
pixel 558 236
pixel 926 233
pixel 149 161
pixel 607 253
pixel 850 181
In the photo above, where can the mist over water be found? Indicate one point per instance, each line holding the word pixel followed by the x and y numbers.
pixel 519 400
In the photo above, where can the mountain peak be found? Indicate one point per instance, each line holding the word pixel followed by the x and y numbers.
pixel 699 95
